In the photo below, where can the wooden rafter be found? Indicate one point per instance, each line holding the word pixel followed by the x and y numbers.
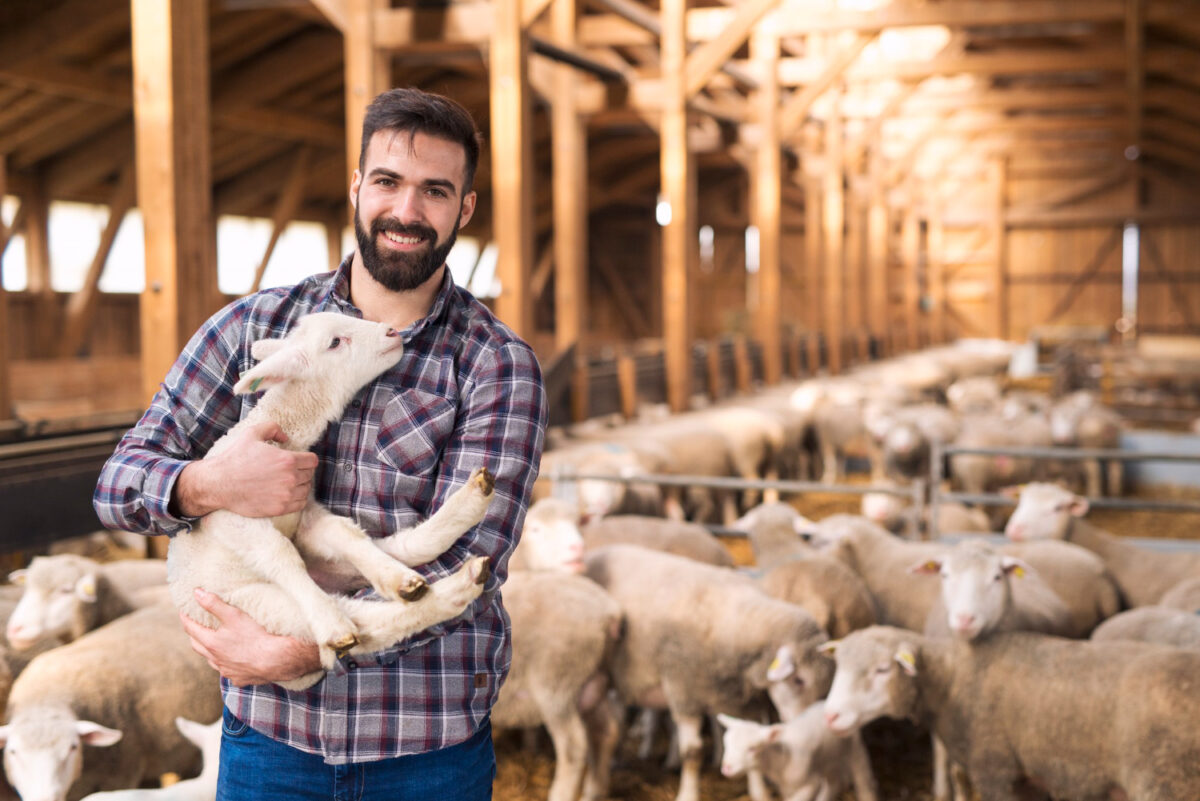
pixel 290 198
pixel 706 60
pixel 797 106
pixel 1106 249
pixel 1178 293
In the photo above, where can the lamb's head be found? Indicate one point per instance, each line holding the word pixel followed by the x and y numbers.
pixel 551 538
pixel 43 751
pixel 742 743
pixel 331 352
pixel 798 676
pixel 976 586
pixel 58 602
pixel 1044 511
pixel 773 525
pixel 874 678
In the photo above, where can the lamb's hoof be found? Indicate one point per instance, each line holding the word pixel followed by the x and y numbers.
pixel 484 568
pixel 342 646
pixel 484 479
pixel 415 589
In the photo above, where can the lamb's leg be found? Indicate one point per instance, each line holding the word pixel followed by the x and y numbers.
pixel 339 539
pixel 266 552
pixel 691 751
pixel 861 774
pixel 381 624
pixel 756 786
pixel 464 508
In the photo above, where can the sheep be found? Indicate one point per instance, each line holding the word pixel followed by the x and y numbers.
pixel 1157 624
pixel 756 443
pixel 690 540
pixel 1073 719
pixel 1047 511
pixel 904 435
pixel 105 545
pixel 836 409
pixel 65 596
pixel 261 565
pixel 680 615
pixel 897 515
pixel 974 394
pixel 978 473
pixel 1079 420
pixel 801 758
pixel 795 572
pixel 598 498
pixel 1076 576
pixel 1184 595
pixel 563 627
pixel 120 687
pixel 206 737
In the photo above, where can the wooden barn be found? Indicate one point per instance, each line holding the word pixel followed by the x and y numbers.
pixel 680 204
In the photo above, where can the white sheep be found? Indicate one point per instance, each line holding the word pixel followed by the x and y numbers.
pixel 690 540
pixel 1160 624
pixel 1075 719
pixel 65 596
pixel 1047 511
pixel 199 788
pixel 801 758
pixel 119 687
pixel 261 565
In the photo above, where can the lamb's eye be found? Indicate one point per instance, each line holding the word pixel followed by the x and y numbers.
pixel 333 343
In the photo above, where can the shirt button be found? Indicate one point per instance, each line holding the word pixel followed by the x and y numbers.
pixel 347 467
pixel 356 403
pixel 351 664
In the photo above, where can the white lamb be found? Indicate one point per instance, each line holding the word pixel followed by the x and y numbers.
pixel 259 565
pixel 201 788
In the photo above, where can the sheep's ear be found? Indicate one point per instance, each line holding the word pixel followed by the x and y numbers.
pixel 782 666
pixel 728 721
pixel 85 589
pixel 192 730
pixel 828 648
pixel 95 734
pixel 1079 506
pixel 276 369
pixel 1015 567
pixel 907 659
pixel 18 577
pixel 265 348
pixel 803 527
pixel 4 732
pixel 929 567
pixel 745 523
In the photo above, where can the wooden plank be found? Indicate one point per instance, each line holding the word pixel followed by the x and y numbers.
pixel 570 189
pixel 627 385
pixel 171 116
pixel 878 226
pixel 910 257
pixel 334 11
pixel 1179 293
pixel 290 198
pixel 767 208
pixel 833 221
pixel 1106 249
pixel 368 72
pixel 38 267
pixel 935 248
pixel 511 134
pixel 814 232
pixel 704 62
pixel 1135 69
pixel 998 178
pixel 799 103
pixel 81 308
pixel 678 189
pixel 6 396
pixel 856 252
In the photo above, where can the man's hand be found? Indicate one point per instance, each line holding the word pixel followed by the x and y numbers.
pixel 243 651
pixel 251 477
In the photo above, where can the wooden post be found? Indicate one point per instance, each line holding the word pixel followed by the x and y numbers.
pixel 6 398
pixel 367 73
pixel 998 178
pixel 627 385
pixel 767 207
pixel 580 389
pixel 38 270
pixel 712 365
pixel 512 165
pixel 569 136
pixel 935 245
pixel 834 221
pixel 174 176
pixel 878 226
pixel 856 255
pixel 813 245
pixel 743 371
pixel 678 190
pixel 910 249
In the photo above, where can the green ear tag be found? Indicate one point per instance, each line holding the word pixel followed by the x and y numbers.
pixel 255 384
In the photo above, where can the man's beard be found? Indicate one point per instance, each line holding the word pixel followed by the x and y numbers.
pixel 400 272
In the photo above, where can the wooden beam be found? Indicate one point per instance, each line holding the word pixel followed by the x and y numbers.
pixel 998 178
pixel 334 11
pixel 706 60
pixel 910 257
pixel 511 134
pixel 1077 193
pixel 7 232
pixel 570 190
pixel 174 185
pixel 1109 246
pixel 81 308
pixel 6 395
pixel 1135 70
pixel 285 211
pixel 368 73
pixel 678 190
pixel 935 249
pixel 814 234
pixel 767 208
pixel 799 103
pixel 878 227
pixel 333 241
pixel 626 303
pixel 833 220
pixel 1179 293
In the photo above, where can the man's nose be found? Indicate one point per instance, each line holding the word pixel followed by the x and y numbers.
pixel 407 206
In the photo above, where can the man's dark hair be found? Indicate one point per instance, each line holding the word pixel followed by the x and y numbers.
pixel 415 111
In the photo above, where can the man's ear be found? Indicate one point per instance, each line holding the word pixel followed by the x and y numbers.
pixel 468 209
pixel 355 185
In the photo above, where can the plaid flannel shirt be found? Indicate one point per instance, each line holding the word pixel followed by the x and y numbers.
pixel 467 392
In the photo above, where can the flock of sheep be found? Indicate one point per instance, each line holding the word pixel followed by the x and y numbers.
pixel 1064 664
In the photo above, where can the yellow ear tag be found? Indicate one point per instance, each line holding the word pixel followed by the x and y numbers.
pixel 774 665
pixel 907 659
pixel 1019 571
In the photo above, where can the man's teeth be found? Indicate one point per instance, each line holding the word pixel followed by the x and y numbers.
pixel 402 239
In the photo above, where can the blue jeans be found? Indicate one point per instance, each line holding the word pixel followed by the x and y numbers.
pixel 256 768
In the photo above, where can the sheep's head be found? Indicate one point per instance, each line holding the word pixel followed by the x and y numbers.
pixel 1044 511
pixel 874 678
pixel 551 538
pixel 976 588
pixel 43 751
pixel 58 601
pixel 334 350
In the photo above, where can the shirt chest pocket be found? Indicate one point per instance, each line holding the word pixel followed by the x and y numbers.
pixel 413 431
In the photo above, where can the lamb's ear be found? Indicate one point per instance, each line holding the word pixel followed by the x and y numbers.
pixel 265 348
pixel 929 567
pixel 804 528
pixel 1079 506
pixel 278 368
pixel 18 576
pixel 94 734
pixel 1015 567
pixel 85 588
pixel 728 721
pixel 907 659
pixel 828 649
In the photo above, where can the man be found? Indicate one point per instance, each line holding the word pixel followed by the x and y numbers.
pixel 410 722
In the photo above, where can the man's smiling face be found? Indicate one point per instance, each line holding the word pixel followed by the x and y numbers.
pixel 408 206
